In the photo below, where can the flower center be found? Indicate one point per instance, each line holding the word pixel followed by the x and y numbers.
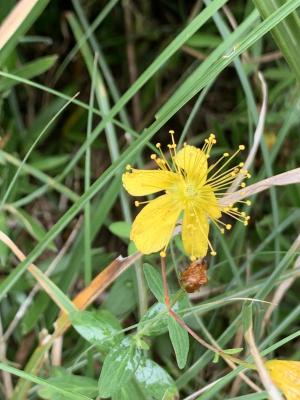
pixel 190 190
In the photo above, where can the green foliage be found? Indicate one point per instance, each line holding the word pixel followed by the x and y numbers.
pixel 72 383
pixel 119 366
pixel 180 341
pixel 181 66
pixel 100 328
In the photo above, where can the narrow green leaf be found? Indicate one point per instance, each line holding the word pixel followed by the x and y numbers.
pixel 247 316
pixel 154 380
pixel 120 229
pixel 32 378
pixel 154 281
pixel 29 71
pixel 286 33
pixel 180 341
pixel 129 392
pixel 71 383
pixel 119 366
pixel 32 225
pixel 155 321
pixel 233 351
pixel 98 327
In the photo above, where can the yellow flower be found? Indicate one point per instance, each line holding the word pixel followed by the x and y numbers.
pixel 190 187
pixel 286 376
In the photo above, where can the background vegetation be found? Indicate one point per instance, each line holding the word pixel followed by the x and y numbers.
pixel 85 88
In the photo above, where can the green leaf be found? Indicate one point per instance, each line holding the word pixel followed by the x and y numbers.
pixel 155 321
pixel 72 383
pixel 119 366
pixel 154 380
pixel 3 248
pixel 121 298
pixel 154 281
pixel 120 229
pixel 98 327
pixel 128 392
pixel 29 71
pixel 49 163
pixel 180 341
pixel 32 225
pixel 233 351
pixel 247 316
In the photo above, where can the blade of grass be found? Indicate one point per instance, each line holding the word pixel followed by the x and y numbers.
pixel 39 381
pixel 286 34
pixel 41 176
pixel 17 23
pixel 12 182
pixel 87 183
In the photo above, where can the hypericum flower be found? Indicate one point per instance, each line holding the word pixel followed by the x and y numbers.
pixel 190 187
pixel 286 376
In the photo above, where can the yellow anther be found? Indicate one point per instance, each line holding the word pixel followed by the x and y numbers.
pixel 222 231
pixel 241 164
pixel 193 258
pixel 163 254
pixel 243 184
pixel 136 203
pixel 248 175
pixel 158 145
pixel 248 202
pixel 226 154
pixel 241 147
pixel 228 226
pixel 171 131
pixel 248 218
pixel 243 214
pixel 213 253
pixel 246 223
pixel 153 156
pixel 128 167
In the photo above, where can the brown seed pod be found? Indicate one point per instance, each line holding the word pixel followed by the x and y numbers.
pixel 194 276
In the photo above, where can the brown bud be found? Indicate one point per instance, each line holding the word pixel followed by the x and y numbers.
pixel 194 276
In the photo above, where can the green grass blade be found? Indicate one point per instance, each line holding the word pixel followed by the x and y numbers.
pixel 286 34
pixel 42 382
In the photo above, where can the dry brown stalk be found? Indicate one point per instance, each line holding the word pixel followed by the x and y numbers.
pixel 13 21
pixel 261 369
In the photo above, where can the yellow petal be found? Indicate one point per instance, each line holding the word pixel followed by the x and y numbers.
pixel 152 229
pixel 194 162
pixel 208 203
pixel 286 376
pixel 141 182
pixel 195 232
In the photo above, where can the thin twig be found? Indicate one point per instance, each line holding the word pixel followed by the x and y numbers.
pixel 195 395
pixel 257 135
pixel 7 379
pixel 263 373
